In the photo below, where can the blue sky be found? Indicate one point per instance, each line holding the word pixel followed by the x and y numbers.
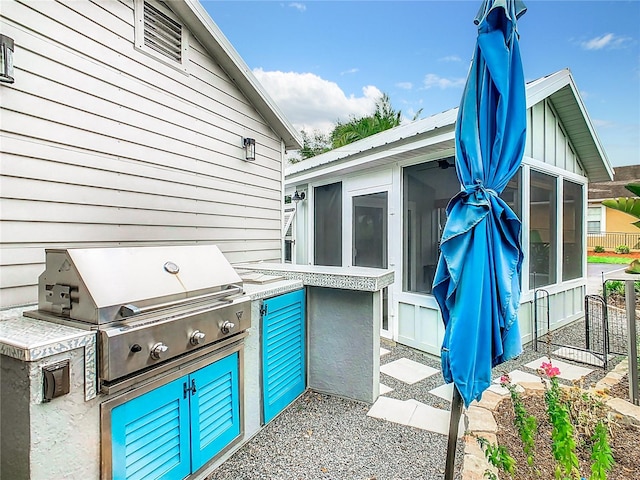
pixel 324 61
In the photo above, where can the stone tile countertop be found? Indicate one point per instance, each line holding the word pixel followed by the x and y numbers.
pixel 29 339
pixel 348 278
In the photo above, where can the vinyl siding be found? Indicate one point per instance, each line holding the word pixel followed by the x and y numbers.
pixel 547 141
pixel 104 145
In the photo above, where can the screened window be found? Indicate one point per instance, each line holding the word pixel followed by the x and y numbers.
pixel 572 237
pixel 427 189
pixel 327 215
pixel 512 194
pixel 543 242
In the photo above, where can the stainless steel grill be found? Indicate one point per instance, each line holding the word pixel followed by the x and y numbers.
pixel 150 305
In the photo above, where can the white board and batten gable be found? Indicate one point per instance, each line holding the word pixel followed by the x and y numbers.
pixel 124 126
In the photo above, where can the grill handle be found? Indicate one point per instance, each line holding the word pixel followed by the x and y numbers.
pixel 130 310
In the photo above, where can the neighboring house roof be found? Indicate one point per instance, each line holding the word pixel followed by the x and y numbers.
pixel 211 37
pixel 437 133
pixel 616 188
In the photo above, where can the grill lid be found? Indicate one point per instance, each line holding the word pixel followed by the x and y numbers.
pixel 92 284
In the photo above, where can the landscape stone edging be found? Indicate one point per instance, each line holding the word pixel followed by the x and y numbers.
pixel 475 463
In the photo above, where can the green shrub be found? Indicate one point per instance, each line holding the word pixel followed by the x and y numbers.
pixel 598 249
pixel 614 286
pixel 622 249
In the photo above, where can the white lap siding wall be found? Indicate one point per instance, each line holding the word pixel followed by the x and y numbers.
pixel 105 145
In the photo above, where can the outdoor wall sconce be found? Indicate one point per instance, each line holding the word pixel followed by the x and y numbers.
pixel 298 197
pixel 249 149
pixel 6 59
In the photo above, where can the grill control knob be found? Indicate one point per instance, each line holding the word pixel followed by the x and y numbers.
pixel 197 337
pixel 158 351
pixel 227 326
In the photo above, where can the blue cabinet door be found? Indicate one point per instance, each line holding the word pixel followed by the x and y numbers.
pixel 283 352
pixel 215 409
pixel 150 435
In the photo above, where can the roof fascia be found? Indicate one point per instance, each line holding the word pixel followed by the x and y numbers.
pixel 350 162
pixel 547 86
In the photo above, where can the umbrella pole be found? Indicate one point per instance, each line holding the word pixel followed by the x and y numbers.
pixel 454 422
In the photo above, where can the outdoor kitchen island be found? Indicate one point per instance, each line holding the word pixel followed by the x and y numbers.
pixel 61 438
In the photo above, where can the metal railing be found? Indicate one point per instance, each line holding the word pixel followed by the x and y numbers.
pixel 611 240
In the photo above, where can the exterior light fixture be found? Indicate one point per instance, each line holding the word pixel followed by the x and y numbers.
pixel 298 197
pixel 249 149
pixel 6 59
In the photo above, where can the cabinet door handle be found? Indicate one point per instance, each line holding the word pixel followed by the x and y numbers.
pixel 186 389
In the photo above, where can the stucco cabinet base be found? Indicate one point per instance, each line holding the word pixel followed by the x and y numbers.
pixel 46 440
pixel 344 313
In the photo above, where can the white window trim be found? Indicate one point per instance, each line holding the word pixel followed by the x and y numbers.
pixel 603 220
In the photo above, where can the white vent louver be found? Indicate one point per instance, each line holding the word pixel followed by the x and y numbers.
pixel 162 34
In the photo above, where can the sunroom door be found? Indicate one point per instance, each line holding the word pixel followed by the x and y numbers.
pixel 369 239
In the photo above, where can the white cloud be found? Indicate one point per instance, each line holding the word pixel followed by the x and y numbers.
pixel 298 6
pixel 599 123
pixel 608 40
pixel 450 58
pixel 313 103
pixel 433 80
pixel 350 71
pixel 405 85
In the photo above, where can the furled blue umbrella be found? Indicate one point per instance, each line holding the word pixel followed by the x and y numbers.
pixel 477 282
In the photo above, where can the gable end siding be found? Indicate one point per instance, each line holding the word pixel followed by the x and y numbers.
pixel 103 145
pixel 547 141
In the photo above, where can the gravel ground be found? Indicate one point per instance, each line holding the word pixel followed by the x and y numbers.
pixel 325 437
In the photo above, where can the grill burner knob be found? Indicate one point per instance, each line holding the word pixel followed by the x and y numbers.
pixel 135 348
pixel 227 326
pixel 197 337
pixel 158 350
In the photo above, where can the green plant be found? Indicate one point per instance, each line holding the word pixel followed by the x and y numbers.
pixel 526 425
pixel 627 205
pixel 598 249
pixel 563 446
pixel 498 456
pixel 622 249
pixel 601 453
pixel 614 286
pixel 618 287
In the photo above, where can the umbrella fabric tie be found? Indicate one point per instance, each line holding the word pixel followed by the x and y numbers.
pixel 479 192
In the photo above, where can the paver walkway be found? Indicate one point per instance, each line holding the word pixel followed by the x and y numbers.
pixel 412 413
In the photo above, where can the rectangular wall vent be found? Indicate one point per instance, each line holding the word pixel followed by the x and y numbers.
pixel 162 34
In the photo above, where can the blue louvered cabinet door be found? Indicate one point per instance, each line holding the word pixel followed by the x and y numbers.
pixel 283 351
pixel 150 435
pixel 215 409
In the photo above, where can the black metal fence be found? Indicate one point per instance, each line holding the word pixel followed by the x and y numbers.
pixel 610 241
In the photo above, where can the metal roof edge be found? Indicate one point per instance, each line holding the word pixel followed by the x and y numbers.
pixel 536 91
pixel 209 34
pixel 385 139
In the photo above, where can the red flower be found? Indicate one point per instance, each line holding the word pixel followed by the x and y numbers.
pixel 549 370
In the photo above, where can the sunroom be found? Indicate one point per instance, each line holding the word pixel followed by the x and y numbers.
pixel 381 203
